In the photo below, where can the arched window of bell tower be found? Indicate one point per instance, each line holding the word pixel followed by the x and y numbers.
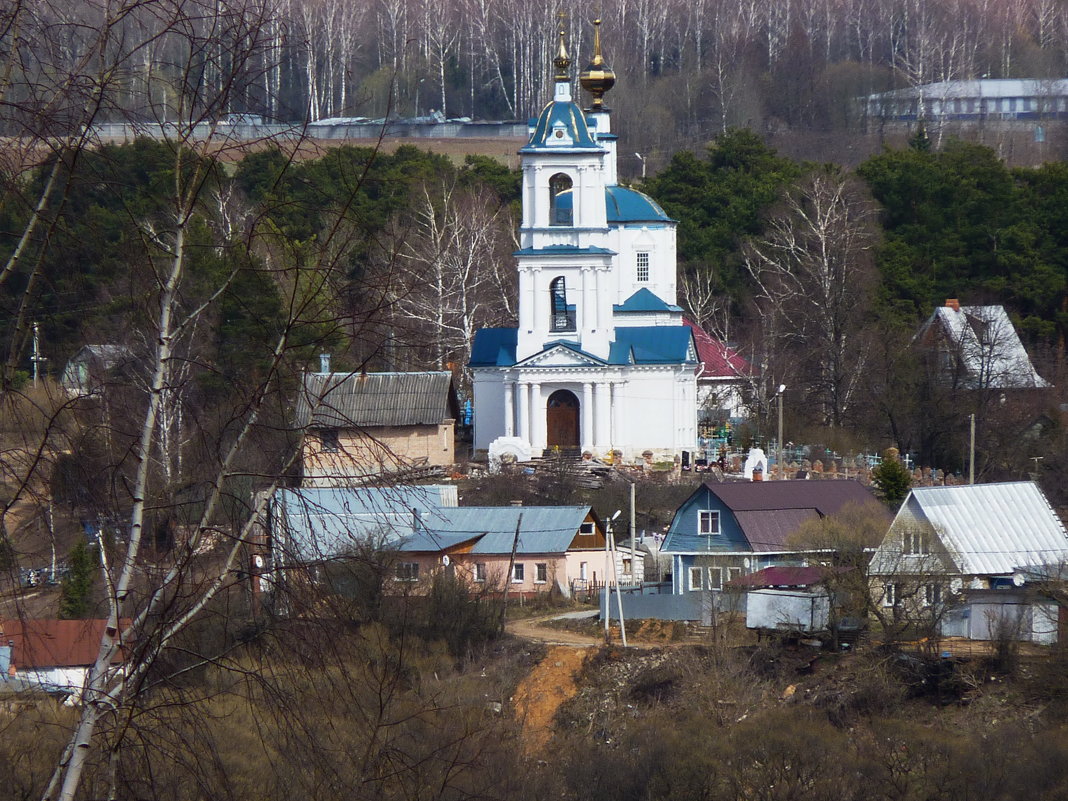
pixel 561 200
pixel 562 316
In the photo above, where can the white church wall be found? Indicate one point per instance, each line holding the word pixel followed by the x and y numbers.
pixel 489 408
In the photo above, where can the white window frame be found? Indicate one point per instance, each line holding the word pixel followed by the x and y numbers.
pixel 889 594
pixel 642 263
pixel 587 529
pixel 916 542
pixel 519 573
pixel 932 594
pixel 541 572
pixel 480 571
pixel 711 516
pixel 696 573
pixel 407 571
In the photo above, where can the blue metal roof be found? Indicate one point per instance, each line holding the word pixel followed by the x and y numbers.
pixel 622 205
pixel 569 116
pixel 565 250
pixel 653 344
pixel 494 347
pixel 314 524
pixel 629 205
pixel 644 301
pixel 544 529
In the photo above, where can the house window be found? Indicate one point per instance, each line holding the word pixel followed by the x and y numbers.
pixel 329 439
pixel 584 570
pixel 628 567
pixel 695 577
pixel 562 318
pixel 586 529
pixel 518 573
pixel 734 573
pixel 708 522
pixel 915 542
pixel 541 573
pixel 641 262
pixel 715 578
pixel 932 594
pixel 480 571
pixel 890 593
pixel 408 571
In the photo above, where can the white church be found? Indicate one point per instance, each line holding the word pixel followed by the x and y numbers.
pixel 601 360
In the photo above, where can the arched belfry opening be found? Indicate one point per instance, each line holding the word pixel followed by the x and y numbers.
pixel 562 420
pixel 562 316
pixel 561 200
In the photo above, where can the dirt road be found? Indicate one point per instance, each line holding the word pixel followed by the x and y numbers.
pixel 532 628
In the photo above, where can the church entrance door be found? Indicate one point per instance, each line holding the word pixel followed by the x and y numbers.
pixel 562 420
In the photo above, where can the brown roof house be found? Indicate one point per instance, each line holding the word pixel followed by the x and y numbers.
pixel 359 425
pixel 730 529
pixel 50 655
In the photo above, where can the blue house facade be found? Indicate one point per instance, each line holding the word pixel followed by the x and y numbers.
pixel 726 530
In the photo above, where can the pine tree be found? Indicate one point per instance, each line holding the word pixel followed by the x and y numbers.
pixel 77 585
pixel 892 479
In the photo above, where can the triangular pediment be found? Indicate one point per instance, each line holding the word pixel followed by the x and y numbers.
pixel 561 355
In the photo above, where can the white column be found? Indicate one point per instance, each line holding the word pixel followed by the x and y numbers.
pixel 526 301
pixel 509 407
pixel 587 415
pixel 618 438
pixel 602 408
pixel 524 411
pixel 585 305
pixel 537 418
pixel 596 295
pixel 539 301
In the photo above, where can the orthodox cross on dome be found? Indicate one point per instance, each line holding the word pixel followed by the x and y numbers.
pixel 562 61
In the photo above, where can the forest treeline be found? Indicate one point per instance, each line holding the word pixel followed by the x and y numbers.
pixel 690 66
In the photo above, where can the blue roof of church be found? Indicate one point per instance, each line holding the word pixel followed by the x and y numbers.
pixel 644 301
pixel 630 205
pixel 564 250
pixel 651 344
pixel 623 205
pixel 570 114
pixel 648 344
pixel 494 347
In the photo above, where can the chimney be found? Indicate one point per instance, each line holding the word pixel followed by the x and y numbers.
pixel 953 303
pixel 324 362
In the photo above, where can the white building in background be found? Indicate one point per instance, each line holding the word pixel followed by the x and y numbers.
pixel 601 359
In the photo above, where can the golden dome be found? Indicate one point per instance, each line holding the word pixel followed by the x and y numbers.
pixel 598 77
pixel 562 61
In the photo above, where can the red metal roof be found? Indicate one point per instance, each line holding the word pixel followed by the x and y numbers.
pixel 717 359
pixel 54 643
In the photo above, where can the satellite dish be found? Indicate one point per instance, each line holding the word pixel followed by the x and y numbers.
pixel 445 560
pixel 956 585
pixel 1018 579
pixel 747 561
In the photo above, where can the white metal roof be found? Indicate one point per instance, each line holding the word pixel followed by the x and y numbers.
pixel 990 350
pixel 989 529
pixel 988 87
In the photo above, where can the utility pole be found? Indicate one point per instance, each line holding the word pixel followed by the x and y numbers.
pixel 782 466
pixel 36 352
pixel 971 451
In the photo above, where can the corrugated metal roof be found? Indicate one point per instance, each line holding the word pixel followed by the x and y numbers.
pixel 325 522
pixel 826 497
pixel 989 529
pixel 545 529
pixel 717 359
pixel 768 529
pixel 346 400
pixel 990 351
pixel 785 576
pixel 988 87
